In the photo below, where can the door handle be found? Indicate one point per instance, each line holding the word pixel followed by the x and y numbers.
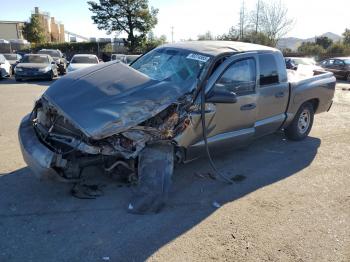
pixel 279 94
pixel 248 107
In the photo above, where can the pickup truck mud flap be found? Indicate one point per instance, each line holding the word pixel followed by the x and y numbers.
pixel 156 165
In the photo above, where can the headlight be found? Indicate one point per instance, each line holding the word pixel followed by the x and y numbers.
pixel 18 69
pixel 45 69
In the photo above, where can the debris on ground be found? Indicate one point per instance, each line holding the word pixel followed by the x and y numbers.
pixel 238 178
pixel 84 191
pixel 216 204
pixel 205 175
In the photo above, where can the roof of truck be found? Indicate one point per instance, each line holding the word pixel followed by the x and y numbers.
pixel 219 47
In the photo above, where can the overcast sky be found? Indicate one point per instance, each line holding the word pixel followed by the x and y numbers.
pixel 191 17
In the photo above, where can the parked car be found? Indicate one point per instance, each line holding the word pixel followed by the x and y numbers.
pixel 173 104
pixel 126 59
pixel 35 66
pixel 13 60
pixel 294 62
pixel 5 67
pixel 118 57
pixel 339 66
pixel 82 61
pixel 59 58
pixel 131 58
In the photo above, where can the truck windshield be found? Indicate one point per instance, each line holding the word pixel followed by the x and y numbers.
pixel 40 59
pixel 175 65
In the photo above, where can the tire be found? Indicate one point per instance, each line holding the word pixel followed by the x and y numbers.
pixel 302 123
pixel 347 78
pixel 51 76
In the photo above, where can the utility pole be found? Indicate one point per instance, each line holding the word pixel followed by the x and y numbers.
pixel 257 16
pixel 172 34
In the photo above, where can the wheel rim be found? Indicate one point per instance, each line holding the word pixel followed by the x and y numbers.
pixel 304 121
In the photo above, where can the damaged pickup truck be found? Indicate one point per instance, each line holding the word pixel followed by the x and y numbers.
pixel 140 119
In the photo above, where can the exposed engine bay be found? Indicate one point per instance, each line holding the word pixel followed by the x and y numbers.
pixel 114 153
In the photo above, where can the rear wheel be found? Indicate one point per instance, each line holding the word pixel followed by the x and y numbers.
pixel 301 125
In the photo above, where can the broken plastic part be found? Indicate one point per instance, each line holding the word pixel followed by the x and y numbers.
pixel 156 165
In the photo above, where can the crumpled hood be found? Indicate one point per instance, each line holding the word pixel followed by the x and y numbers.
pixel 109 98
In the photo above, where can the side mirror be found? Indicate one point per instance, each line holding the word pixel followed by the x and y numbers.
pixel 223 97
pixel 53 62
pixel 68 62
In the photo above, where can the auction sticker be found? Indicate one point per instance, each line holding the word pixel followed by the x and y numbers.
pixel 198 57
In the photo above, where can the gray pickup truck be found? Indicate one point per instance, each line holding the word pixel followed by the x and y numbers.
pixel 139 119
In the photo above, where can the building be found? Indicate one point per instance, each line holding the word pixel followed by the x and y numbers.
pixel 54 31
pixel 11 30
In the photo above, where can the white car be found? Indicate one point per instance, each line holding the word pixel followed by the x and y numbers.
pixel 5 67
pixel 82 61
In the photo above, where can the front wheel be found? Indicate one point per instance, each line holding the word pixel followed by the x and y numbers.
pixel 301 125
pixel 51 76
pixel 347 78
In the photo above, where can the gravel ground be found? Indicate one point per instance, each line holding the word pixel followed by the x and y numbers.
pixel 290 203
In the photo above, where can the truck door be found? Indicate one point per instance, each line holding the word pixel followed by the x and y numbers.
pixel 273 93
pixel 228 124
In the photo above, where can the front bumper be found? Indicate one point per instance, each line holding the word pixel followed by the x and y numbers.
pixel 36 155
pixel 33 75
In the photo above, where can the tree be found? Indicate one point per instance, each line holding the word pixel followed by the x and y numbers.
pixel 313 49
pixel 258 38
pixel 207 36
pixel 346 37
pixel 134 17
pixel 33 30
pixel 274 21
pixel 324 41
pixel 338 49
pixel 232 35
pixel 152 42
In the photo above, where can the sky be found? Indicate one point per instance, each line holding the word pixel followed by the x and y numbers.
pixel 191 17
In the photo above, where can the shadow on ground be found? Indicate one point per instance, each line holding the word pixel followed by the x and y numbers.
pixel 40 82
pixel 40 221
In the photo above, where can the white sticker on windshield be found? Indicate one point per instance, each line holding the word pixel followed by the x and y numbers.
pixel 198 57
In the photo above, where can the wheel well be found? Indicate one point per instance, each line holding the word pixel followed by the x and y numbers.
pixel 315 102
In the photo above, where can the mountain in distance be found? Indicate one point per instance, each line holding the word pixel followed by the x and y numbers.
pixel 294 42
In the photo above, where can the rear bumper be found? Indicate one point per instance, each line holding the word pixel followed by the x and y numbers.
pixel 36 155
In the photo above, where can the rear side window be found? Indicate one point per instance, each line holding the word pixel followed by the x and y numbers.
pixel 268 70
pixel 338 62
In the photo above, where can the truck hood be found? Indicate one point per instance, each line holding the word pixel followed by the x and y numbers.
pixel 109 98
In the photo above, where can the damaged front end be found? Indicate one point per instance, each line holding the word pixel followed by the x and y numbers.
pixel 72 151
pixel 116 118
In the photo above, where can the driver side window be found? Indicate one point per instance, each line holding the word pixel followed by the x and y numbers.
pixel 239 78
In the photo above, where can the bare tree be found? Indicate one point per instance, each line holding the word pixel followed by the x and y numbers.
pixel 274 21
